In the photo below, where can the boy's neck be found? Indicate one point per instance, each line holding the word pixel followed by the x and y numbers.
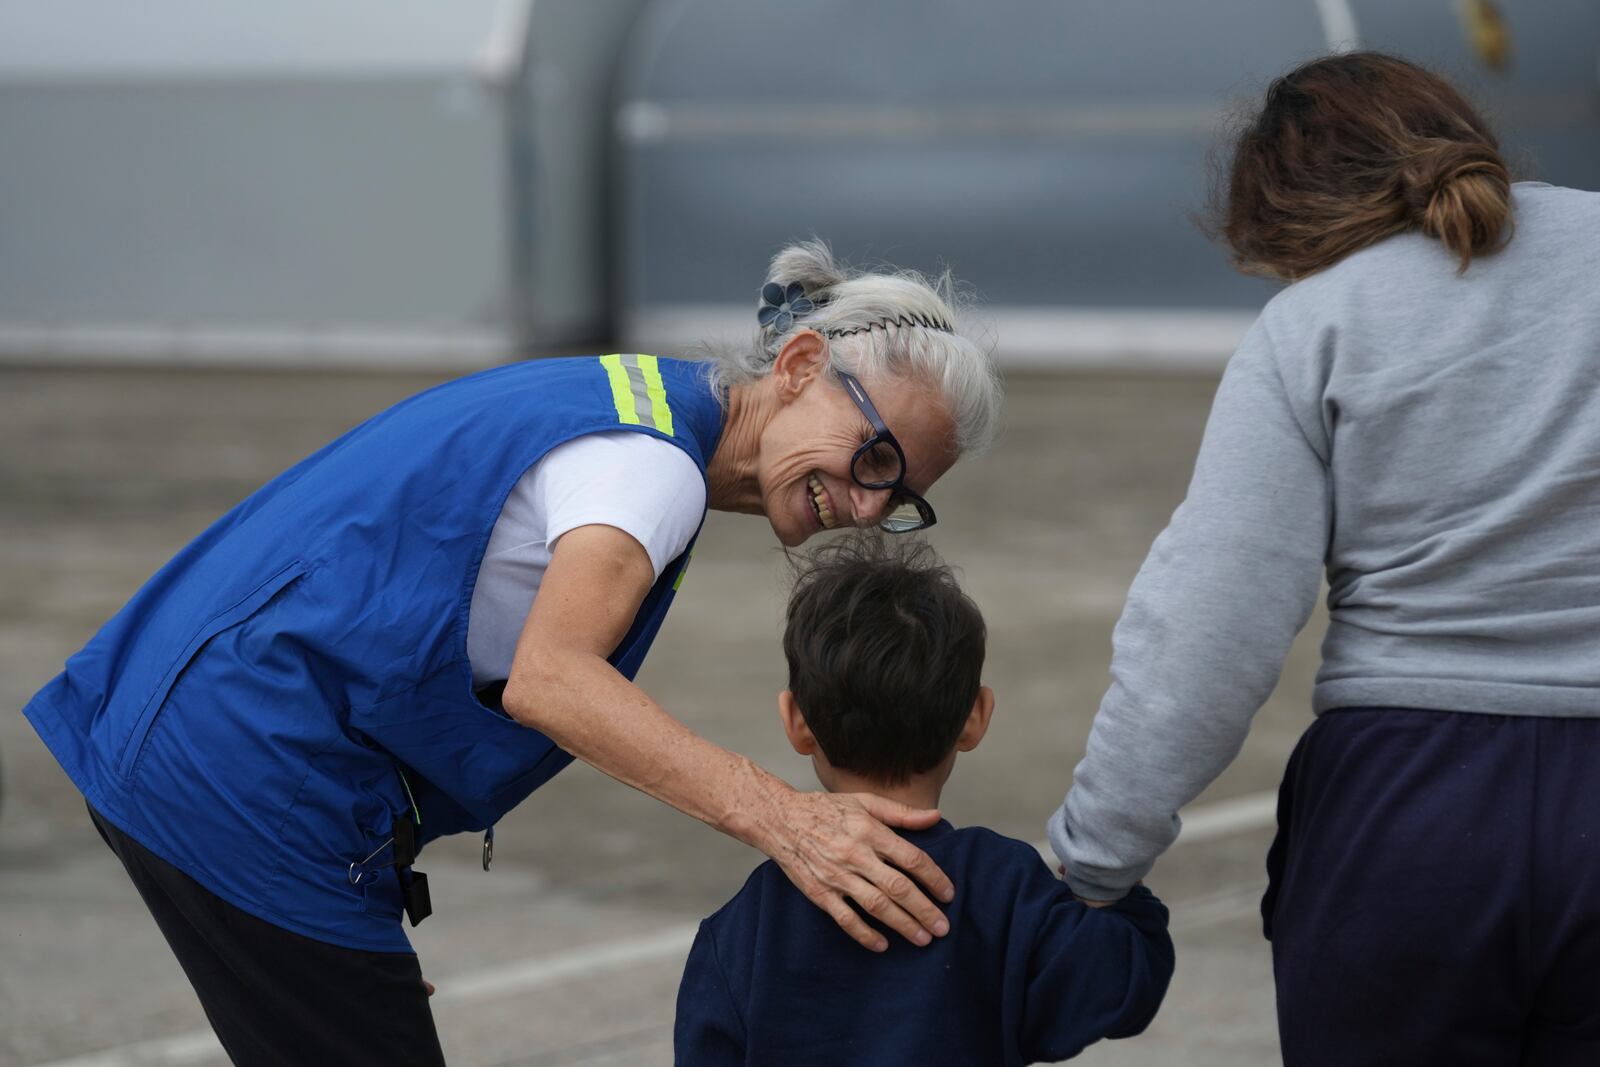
pixel 922 791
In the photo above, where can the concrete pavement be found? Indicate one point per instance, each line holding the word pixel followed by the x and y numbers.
pixel 569 951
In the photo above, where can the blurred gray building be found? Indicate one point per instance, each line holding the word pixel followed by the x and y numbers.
pixel 405 180
pixel 349 181
pixel 1052 154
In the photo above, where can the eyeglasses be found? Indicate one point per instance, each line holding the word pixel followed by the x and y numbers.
pixel 880 463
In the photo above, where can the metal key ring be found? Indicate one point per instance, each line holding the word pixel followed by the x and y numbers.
pixel 358 869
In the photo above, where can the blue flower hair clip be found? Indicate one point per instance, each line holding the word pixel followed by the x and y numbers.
pixel 780 306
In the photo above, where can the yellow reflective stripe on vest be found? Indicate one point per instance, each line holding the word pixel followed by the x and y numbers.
pixel 656 390
pixel 638 391
pixel 621 390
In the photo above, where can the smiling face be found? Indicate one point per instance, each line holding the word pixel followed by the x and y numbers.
pixel 804 466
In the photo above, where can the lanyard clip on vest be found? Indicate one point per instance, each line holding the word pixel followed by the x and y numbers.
pixel 403 836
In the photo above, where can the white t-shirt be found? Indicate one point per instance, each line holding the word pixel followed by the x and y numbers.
pixel 643 486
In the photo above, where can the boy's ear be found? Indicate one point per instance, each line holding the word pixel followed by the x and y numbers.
pixel 977 720
pixel 794 725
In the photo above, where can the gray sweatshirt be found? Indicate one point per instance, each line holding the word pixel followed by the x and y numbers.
pixel 1430 441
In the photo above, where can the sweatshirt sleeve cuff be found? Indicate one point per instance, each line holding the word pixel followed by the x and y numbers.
pixel 1088 882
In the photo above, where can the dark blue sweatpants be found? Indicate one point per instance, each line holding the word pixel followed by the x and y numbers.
pixel 1435 891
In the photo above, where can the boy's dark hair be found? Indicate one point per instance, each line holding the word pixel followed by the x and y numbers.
pixel 885 653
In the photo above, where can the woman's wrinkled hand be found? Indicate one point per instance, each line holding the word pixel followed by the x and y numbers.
pixel 837 848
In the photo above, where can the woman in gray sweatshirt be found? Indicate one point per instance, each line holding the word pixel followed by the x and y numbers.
pixel 1416 416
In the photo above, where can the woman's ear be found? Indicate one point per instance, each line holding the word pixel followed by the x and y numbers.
pixel 794 725
pixel 977 720
pixel 801 361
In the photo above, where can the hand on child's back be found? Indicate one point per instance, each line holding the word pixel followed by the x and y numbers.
pixel 837 847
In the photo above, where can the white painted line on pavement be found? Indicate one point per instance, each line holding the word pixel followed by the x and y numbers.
pixel 192 1047
pixel 198 1045
pixel 574 963
pixel 1208 822
pixel 1204 823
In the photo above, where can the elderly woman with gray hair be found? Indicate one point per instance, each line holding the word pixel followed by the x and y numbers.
pixel 411 630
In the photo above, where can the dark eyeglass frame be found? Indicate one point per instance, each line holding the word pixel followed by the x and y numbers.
pixel 881 434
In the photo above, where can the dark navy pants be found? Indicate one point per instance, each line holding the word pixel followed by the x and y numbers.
pixel 275 998
pixel 1435 891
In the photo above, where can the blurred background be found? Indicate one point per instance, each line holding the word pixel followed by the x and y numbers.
pixel 230 231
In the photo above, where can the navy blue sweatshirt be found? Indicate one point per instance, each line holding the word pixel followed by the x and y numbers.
pixel 1027 974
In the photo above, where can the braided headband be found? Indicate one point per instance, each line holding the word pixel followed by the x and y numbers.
pixel 899 320
pixel 781 305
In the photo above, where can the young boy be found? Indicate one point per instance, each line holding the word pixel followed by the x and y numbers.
pixel 885 653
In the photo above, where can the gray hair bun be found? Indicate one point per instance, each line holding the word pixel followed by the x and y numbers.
pixel 879 324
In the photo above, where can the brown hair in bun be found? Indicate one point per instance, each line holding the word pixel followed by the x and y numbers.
pixel 1349 149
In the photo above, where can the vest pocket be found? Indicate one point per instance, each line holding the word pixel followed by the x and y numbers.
pixel 252 602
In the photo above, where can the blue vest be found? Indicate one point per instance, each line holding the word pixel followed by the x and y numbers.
pixel 258 712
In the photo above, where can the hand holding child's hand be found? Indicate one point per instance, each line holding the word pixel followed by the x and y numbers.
pixel 837 846
pixel 1061 873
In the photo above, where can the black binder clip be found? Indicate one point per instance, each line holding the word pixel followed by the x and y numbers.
pixel 404 836
pixel 414 891
pixel 413 884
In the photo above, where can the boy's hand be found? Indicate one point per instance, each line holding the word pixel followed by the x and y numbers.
pixel 836 848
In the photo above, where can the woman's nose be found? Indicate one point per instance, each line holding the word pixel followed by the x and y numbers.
pixel 869 505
